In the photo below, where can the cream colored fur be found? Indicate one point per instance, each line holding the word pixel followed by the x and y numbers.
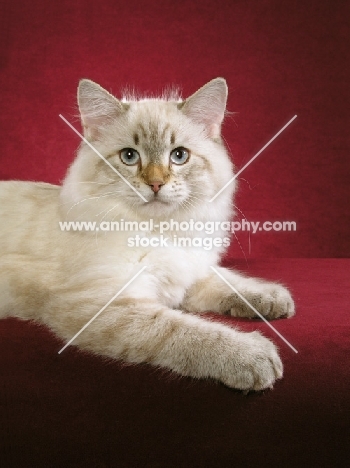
pixel 62 279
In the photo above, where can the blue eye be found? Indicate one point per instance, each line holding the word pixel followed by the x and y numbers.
pixel 179 156
pixel 129 156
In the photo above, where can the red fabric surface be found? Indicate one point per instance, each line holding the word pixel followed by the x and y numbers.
pixel 78 410
pixel 279 59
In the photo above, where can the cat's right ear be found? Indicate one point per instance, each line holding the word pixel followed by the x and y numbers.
pixel 97 108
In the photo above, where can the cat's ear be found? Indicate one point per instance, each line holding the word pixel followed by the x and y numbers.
pixel 97 108
pixel 207 106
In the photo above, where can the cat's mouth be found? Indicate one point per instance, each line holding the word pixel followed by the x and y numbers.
pixel 157 205
pixel 156 199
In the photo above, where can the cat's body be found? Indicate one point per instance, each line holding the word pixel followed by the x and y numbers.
pixel 171 152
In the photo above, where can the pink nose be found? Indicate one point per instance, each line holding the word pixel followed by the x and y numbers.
pixel 155 186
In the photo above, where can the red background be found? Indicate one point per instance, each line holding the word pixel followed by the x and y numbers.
pixel 279 59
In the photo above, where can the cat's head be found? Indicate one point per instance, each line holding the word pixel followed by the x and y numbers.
pixel 159 157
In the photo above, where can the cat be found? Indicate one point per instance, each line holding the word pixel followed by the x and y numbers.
pixel 170 160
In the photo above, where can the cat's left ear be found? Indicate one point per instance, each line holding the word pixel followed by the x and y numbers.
pixel 207 106
pixel 97 108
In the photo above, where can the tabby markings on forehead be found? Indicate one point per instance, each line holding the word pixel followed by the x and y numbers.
pixel 155 139
pixel 155 130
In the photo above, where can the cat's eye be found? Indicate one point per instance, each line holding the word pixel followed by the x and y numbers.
pixel 179 156
pixel 129 156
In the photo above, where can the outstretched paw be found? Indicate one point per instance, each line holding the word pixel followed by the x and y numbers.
pixel 271 300
pixel 257 365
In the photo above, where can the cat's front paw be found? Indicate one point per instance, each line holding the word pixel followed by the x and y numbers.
pixel 257 364
pixel 271 300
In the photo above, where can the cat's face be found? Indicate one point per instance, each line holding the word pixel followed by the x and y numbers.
pixel 169 151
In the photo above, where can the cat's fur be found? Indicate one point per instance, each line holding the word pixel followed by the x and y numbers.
pixel 62 279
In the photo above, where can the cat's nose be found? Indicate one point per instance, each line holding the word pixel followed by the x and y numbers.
pixel 155 176
pixel 155 185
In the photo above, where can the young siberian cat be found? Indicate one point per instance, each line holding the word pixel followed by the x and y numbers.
pixel 171 152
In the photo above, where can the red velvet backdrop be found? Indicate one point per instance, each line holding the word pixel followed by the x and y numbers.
pixel 279 59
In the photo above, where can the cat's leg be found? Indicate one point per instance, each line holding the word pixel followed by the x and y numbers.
pixel 24 285
pixel 145 331
pixel 139 330
pixel 212 294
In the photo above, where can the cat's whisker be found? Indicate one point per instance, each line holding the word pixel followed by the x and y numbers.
pixel 187 205
pixel 200 193
pixel 193 190
pixel 196 200
pixel 240 246
pixel 80 216
pixel 97 215
pixel 193 197
pixel 111 209
pixel 246 181
pixel 108 194
pixel 106 210
pixel 96 240
pixel 241 212
pixel 190 205
pixel 86 182
pixel 79 202
pixel 108 178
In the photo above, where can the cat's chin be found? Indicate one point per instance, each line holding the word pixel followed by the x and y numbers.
pixel 157 207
